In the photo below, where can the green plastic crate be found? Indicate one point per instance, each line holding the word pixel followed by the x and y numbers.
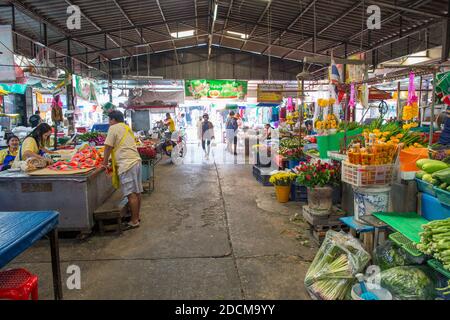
pixel 437 265
pixel 406 244
pixel 443 196
pixel 332 142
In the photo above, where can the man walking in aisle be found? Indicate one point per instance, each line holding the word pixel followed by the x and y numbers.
pixel 207 135
pixel 126 164
pixel 232 127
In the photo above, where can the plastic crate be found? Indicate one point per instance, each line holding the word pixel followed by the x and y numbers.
pixel 407 245
pixel 425 187
pixel 367 176
pixel 437 265
pixel 262 175
pixel 443 196
pixel 298 193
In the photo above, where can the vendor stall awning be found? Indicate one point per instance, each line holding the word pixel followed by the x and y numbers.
pixel 14 88
pixel 272 105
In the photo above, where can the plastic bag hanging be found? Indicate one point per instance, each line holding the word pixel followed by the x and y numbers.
pixel 57 114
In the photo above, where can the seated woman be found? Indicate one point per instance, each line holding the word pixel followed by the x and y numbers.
pixel 8 155
pixel 34 144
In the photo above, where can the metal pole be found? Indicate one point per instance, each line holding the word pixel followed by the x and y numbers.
pixel 398 100
pixel 420 96
pixel 432 110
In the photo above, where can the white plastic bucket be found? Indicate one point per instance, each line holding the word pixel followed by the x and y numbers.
pixel 381 293
pixel 370 200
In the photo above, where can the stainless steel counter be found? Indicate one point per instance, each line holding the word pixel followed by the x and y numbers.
pixel 76 197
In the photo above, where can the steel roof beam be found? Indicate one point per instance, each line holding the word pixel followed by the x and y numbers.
pixel 256 25
pixel 141 36
pixel 142 25
pixel 290 31
pixel 312 3
pixel 168 30
pixel 226 20
pixel 416 4
pixel 33 14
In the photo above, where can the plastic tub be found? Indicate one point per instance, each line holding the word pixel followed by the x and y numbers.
pixel 370 200
pixel 432 209
pixel 425 187
pixel 443 196
pixel 382 293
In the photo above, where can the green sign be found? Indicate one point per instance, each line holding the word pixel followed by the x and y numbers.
pixel 216 89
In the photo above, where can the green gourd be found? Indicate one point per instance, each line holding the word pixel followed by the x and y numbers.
pixel 433 166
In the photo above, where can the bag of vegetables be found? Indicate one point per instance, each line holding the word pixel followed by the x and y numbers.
pixel 409 283
pixel 388 255
pixel 339 259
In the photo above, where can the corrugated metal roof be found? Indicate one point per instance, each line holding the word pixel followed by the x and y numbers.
pixel 283 28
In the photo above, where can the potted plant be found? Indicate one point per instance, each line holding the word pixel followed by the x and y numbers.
pixel 282 182
pixel 319 178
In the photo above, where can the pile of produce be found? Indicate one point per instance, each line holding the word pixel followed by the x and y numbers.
pixel 291 148
pixel 388 255
pixel 93 137
pixel 435 172
pixel 435 241
pixel 408 283
pixel 339 259
pixel 147 152
pixel 85 158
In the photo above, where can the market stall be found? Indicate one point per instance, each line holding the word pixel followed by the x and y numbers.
pixel 74 196
pixel 374 193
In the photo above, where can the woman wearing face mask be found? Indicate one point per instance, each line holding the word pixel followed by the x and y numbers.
pixel 34 144
pixel 8 155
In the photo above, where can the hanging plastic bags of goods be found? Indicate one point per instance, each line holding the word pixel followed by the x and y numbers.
pixel 57 114
pixel 411 110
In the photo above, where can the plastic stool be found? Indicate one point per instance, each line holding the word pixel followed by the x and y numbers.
pixel 18 284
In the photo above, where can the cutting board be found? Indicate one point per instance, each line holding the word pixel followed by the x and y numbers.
pixel 48 172
pixel 409 224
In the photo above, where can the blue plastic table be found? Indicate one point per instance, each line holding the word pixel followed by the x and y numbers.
pixel 370 232
pixel 358 227
pixel 20 230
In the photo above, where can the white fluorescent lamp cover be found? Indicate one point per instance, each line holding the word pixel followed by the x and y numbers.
pixel 182 34
pixel 242 35
pixel 216 7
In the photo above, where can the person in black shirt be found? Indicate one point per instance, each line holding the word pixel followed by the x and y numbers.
pixel 207 134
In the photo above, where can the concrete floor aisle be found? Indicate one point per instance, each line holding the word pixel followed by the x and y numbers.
pixel 209 231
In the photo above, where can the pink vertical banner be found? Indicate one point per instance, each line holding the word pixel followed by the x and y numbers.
pixel 290 105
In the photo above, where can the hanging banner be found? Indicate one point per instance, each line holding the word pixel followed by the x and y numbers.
pixel 216 89
pixel 355 73
pixel 7 69
pixel 270 93
pixel 85 89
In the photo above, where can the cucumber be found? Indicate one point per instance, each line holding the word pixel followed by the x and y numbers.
pixel 432 166
pixel 443 186
pixel 421 162
pixel 442 175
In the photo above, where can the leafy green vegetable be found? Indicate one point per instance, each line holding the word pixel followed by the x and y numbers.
pixel 408 283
